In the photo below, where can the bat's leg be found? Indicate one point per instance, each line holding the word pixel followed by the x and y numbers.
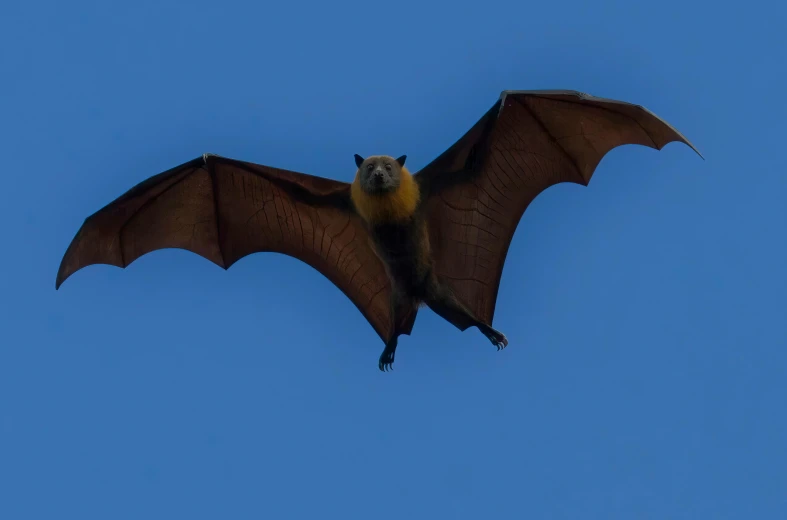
pixel 403 312
pixel 443 302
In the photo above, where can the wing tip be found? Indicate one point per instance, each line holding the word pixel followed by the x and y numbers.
pixel 686 141
pixel 678 135
pixel 63 275
pixel 696 151
pixel 584 95
pixel 63 272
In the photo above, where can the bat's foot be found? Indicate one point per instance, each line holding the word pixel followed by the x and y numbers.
pixel 387 357
pixel 497 338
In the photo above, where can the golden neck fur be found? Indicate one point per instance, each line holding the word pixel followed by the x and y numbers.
pixel 394 206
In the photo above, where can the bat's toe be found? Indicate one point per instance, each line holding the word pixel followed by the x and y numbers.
pixel 386 361
pixel 387 357
pixel 497 338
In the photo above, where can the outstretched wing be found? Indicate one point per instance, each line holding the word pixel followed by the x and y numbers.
pixel 475 193
pixel 223 210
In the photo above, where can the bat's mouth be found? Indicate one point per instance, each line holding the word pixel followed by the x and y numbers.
pixel 378 183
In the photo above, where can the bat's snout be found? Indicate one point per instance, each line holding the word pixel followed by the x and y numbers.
pixel 378 178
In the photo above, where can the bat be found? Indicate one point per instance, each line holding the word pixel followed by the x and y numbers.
pixel 391 241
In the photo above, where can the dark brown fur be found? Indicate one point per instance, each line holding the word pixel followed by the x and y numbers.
pixel 404 248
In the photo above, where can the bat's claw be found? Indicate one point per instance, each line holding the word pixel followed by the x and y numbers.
pixel 497 338
pixel 387 358
pixel 386 361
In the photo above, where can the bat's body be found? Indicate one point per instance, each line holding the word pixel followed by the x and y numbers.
pixel 390 240
pixel 400 237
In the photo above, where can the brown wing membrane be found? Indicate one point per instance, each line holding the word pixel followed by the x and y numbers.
pixel 476 192
pixel 223 210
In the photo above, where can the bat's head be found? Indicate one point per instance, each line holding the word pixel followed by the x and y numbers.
pixel 379 174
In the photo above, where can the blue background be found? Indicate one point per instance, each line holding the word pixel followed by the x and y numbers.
pixel 645 377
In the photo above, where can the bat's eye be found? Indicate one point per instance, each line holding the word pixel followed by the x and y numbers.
pixel 388 167
pixel 370 167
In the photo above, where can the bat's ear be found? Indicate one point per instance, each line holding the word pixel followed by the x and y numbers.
pixel 401 160
pixel 358 160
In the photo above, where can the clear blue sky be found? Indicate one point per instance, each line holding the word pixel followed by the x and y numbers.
pixel 646 372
